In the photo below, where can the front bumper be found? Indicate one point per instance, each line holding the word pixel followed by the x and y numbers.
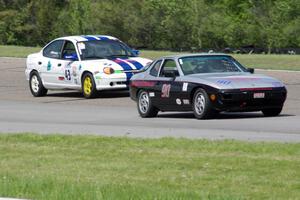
pixel 244 100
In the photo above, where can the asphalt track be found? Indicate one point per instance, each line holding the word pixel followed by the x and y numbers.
pixel 114 114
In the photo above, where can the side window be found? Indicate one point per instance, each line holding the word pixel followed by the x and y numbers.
pixel 169 65
pixel 69 51
pixel 53 50
pixel 155 69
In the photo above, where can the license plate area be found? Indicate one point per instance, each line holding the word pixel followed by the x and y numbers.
pixel 259 95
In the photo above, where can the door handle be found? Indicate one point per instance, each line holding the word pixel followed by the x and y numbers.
pixel 39 62
pixel 59 64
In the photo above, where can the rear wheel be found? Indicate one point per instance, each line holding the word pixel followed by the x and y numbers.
pixel 202 106
pixel 88 86
pixel 271 112
pixel 145 107
pixel 36 85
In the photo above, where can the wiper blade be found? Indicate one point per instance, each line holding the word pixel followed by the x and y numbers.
pixel 96 57
pixel 118 55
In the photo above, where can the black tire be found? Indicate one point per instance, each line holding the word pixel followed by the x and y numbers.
pixel 36 85
pixel 144 105
pixel 271 112
pixel 88 86
pixel 202 106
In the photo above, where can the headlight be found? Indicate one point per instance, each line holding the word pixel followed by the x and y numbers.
pixel 108 70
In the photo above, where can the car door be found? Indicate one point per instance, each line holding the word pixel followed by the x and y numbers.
pixel 70 68
pixel 168 88
pixel 54 65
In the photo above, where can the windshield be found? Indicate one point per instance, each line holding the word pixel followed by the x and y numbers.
pixel 98 49
pixel 209 64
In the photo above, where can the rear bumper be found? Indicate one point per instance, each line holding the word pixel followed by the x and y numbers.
pixel 244 100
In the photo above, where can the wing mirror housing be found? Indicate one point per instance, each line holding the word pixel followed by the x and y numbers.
pixel 136 52
pixel 251 70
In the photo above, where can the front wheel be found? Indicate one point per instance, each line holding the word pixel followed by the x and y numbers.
pixel 145 107
pixel 202 107
pixel 271 112
pixel 36 85
pixel 88 86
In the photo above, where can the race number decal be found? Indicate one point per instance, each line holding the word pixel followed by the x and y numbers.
pixel 68 74
pixel 165 91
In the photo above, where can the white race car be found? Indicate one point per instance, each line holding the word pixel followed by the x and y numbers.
pixel 86 63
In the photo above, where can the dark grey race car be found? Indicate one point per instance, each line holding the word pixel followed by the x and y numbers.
pixel 205 84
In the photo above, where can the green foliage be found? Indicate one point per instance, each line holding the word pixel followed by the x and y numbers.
pixel 155 24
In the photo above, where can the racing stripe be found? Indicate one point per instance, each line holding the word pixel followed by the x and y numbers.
pixel 90 38
pixel 103 38
pixel 135 63
pixel 125 66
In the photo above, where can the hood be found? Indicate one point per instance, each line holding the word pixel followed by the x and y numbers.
pixel 236 80
pixel 120 64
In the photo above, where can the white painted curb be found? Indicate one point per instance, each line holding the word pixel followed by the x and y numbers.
pixel 3 198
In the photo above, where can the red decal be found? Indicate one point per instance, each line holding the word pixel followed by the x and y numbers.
pixel 61 78
pixel 143 83
pixel 165 91
pixel 254 89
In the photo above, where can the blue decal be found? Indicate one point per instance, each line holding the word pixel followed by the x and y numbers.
pixel 103 38
pixel 224 82
pixel 125 66
pixel 80 67
pixel 89 38
pixel 49 66
pixel 136 64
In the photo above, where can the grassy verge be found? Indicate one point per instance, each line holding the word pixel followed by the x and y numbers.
pixel 17 51
pixel 279 62
pixel 91 167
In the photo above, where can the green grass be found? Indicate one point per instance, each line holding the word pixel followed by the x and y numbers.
pixel 279 62
pixel 91 167
pixel 17 51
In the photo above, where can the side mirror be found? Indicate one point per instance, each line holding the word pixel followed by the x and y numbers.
pixel 171 73
pixel 251 70
pixel 136 52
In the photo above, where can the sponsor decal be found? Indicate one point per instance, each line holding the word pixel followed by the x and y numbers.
pixel 165 91
pixel 61 78
pixel 80 67
pixel 184 87
pixel 81 46
pixel 98 77
pixel 224 82
pixel 74 70
pixel 151 94
pixel 186 101
pixel 49 66
pixel 178 101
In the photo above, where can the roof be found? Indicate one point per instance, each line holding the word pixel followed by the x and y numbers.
pixel 83 38
pixel 193 54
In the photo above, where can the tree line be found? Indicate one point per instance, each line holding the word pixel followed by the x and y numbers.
pixel 156 24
